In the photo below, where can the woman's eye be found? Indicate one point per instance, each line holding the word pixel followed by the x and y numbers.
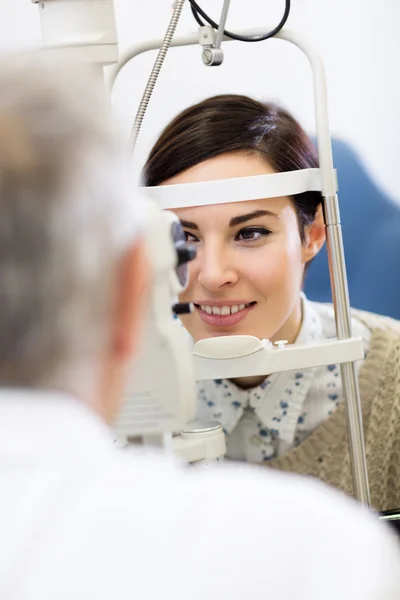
pixel 190 238
pixel 252 234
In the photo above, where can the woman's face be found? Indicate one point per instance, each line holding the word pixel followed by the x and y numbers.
pixel 248 273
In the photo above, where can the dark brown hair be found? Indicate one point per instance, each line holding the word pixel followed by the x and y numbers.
pixel 234 123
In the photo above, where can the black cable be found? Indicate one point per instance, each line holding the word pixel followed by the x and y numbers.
pixel 196 16
pixel 197 10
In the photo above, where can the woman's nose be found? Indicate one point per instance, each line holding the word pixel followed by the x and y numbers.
pixel 215 269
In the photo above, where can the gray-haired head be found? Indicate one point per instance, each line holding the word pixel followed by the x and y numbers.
pixel 66 216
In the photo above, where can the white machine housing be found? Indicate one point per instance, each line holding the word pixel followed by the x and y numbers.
pixel 85 28
pixel 159 402
pixel 160 396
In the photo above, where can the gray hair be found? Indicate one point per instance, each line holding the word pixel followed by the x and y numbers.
pixel 66 216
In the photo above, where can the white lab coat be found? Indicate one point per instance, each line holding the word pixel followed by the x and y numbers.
pixel 80 519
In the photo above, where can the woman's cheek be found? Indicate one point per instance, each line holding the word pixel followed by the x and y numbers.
pixel 278 273
pixel 266 267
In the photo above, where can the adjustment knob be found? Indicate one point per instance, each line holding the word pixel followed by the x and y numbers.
pixel 183 308
pixel 281 344
pixel 185 254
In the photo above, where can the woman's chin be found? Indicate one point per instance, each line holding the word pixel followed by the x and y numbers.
pixel 199 330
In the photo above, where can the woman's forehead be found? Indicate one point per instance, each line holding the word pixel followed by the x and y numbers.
pixel 225 166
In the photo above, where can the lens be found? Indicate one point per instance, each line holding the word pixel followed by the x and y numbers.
pixel 179 239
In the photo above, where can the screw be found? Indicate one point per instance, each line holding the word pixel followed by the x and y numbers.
pixel 266 343
pixel 207 57
pixel 281 344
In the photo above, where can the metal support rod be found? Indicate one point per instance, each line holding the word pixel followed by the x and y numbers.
pixel 213 56
pixel 349 377
pixel 222 22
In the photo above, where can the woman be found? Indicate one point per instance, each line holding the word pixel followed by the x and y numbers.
pixel 247 279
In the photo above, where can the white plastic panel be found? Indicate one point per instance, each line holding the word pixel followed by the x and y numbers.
pixel 273 360
pixel 237 189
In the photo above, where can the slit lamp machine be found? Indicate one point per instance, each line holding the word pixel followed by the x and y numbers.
pixel 159 401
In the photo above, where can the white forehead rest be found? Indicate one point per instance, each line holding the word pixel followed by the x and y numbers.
pixel 238 189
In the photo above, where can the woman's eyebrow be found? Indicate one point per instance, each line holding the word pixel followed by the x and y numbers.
pixel 189 224
pixel 253 215
pixel 235 220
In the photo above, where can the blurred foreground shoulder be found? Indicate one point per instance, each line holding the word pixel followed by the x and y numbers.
pixel 241 530
pixel 147 526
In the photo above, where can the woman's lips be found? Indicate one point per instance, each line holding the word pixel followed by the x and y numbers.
pixel 224 320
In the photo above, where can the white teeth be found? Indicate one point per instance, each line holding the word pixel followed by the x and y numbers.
pixel 223 310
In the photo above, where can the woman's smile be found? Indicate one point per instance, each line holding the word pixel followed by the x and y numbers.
pixel 224 313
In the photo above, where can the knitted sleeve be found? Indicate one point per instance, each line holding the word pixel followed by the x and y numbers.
pixel 383 435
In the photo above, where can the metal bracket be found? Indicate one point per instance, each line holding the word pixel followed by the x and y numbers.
pixel 213 54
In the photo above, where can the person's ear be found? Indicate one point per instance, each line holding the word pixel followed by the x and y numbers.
pixel 314 236
pixel 132 293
